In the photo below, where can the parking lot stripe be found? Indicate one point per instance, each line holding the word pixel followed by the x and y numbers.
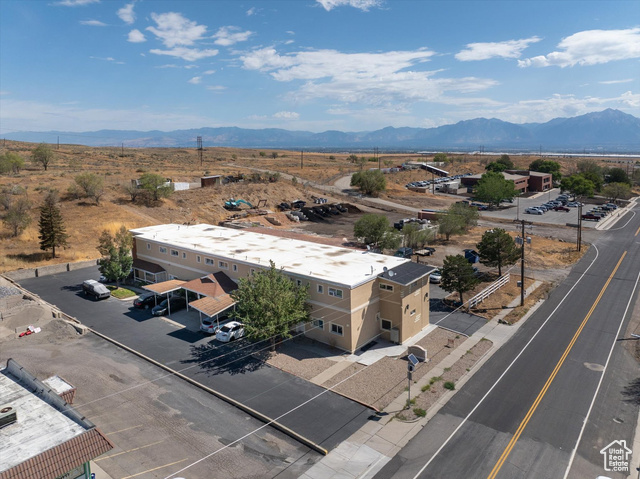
pixel 127 451
pixel 155 469
pixel 122 430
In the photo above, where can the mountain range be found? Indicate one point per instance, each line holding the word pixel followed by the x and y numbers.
pixel 608 131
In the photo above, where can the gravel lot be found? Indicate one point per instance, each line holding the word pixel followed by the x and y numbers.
pixel 425 399
pixel 376 385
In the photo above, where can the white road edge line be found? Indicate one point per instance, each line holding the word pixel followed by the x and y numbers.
pixel 508 367
pixel 586 419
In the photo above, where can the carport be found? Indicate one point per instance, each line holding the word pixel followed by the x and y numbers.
pixel 213 293
pixel 165 288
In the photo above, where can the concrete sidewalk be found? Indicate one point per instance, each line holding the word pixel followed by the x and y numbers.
pixel 375 444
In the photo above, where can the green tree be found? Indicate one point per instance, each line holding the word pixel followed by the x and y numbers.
pixel 495 166
pixel 11 162
pixel 91 185
pixel 269 304
pixel 116 261
pixel 547 166
pixel 53 233
pixel 493 188
pixel 43 155
pixel 458 275
pixel 440 157
pixel 616 191
pixel 617 175
pixel 589 166
pixel 497 248
pixel 370 182
pixel 375 231
pixel 156 186
pixel 597 179
pixel 415 237
pixel 467 214
pixel 577 185
pixel 449 224
pixel 17 217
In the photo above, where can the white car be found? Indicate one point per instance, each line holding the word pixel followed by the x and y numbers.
pixel 230 331
pixel 533 211
pixel 435 277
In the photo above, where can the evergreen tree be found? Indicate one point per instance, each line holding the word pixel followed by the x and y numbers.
pixel 458 275
pixel 116 260
pixel 497 248
pixel 53 233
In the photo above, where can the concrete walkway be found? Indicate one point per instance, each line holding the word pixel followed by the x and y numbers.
pixel 375 444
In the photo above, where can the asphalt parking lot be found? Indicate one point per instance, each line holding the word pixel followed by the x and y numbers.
pixel 235 370
pixel 443 316
pixel 158 423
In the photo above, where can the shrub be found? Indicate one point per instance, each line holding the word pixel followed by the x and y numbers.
pixel 419 412
pixel 425 388
pixel 435 379
pixel 449 385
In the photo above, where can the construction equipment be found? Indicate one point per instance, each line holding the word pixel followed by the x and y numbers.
pixel 234 205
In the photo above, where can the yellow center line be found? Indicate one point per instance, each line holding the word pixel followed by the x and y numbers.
pixel 125 452
pixel 546 386
pixel 155 468
pixel 637 231
pixel 122 430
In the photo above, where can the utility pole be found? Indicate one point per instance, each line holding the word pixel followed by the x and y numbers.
pixel 301 159
pixel 199 140
pixel 579 226
pixel 377 156
pixel 122 150
pixel 58 142
pixel 523 240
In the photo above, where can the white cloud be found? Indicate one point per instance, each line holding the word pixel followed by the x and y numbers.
pixel 136 36
pixel 363 5
pixel 484 51
pixel 380 79
pixel 252 11
pixel 216 87
pixel 126 14
pixel 590 47
pixel 286 115
pixel 195 80
pixel 93 23
pixel 75 3
pixel 615 82
pixel 107 59
pixel 230 35
pixel 209 72
pixel 188 54
pixel 173 29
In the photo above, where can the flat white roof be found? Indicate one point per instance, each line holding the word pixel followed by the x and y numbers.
pixel 40 426
pixel 333 264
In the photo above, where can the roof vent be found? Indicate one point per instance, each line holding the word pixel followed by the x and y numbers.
pixel 8 416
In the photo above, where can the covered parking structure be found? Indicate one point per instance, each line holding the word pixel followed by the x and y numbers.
pixel 214 295
pixel 165 288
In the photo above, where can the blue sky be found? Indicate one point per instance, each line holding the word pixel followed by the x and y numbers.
pixel 350 65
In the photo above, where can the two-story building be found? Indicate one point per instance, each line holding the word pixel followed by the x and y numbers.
pixel 355 296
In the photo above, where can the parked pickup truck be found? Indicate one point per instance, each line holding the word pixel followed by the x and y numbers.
pixel 591 217
pixel 427 251
pixel 93 287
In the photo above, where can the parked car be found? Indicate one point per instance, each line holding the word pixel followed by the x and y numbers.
pixel 176 303
pixel 533 211
pixel 590 216
pixel 94 288
pixel 210 326
pixel 426 251
pixel 145 301
pixel 542 208
pixel 230 331
pixel 404 253
pixel 561 208
pixel 435 277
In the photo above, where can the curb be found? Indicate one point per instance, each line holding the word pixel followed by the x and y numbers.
pixel 258 415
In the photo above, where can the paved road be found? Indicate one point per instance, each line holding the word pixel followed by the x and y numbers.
pixel 319 415
pixel 522 414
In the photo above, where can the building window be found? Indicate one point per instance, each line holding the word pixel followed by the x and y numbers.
pixel 148 245
pixel 385 324
pixel 223 265
pixel 163 250
pixel 318 323
pixel 198 259
pixel 413 311
pixel 335 292
pixel 336 329
pixel 184 255
pixel 174 252
pixel 209 261
pixel 299 282
pixel 320 289
pixel 386 287
pixel 235 268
